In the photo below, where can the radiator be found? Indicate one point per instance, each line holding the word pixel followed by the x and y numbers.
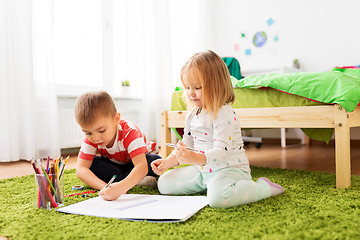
pixel 71 135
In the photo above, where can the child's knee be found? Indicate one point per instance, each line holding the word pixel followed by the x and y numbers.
pixel 164 184
pixel 180 181
pixel 217 196
pixel 220 190
pixel 215 201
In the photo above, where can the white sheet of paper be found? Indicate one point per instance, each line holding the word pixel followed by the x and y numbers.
pixel 140 207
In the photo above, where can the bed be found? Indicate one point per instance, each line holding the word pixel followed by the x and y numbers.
pixel 319 103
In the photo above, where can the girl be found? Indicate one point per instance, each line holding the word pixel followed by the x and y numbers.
pixel 219 166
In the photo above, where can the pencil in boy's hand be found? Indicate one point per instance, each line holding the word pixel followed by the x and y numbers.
pixel 111 180
pixel 188 148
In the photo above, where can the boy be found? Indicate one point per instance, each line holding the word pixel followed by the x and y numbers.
pixel 124 150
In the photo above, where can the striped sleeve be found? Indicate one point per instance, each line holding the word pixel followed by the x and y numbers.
pixel 87 150
pixel 134 143
pixel 136 147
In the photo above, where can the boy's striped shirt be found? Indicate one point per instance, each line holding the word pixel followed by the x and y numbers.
pixel 130 142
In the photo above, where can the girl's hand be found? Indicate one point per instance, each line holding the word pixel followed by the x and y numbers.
pixel 185 156
pixel 112 192
pixel 159 166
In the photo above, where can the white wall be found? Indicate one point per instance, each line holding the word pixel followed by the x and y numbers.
pixel 322 34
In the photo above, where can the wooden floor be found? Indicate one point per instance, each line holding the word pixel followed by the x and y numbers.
pixel 316 157
pixel 23 168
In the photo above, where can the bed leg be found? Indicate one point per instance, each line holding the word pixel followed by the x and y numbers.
pixel 342 149
pixel 165 136
pixel 283 137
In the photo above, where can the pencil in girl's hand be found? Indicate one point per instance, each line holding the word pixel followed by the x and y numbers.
pixel 188 148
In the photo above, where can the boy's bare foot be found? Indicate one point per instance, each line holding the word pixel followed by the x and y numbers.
pixel 148 181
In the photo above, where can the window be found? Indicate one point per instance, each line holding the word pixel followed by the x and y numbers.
pixel 128 21
pixel 108 44
pixel 78 45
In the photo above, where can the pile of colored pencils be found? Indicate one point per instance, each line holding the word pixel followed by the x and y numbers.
pixel 50 189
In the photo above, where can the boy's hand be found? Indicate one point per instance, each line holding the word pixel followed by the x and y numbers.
pixel 112 192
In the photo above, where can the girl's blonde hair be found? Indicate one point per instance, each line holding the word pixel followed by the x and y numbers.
pixel 215 80
pixel 92 105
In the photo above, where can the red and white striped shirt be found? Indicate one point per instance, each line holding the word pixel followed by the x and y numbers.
pixel 130 142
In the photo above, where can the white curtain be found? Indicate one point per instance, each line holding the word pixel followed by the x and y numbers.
pixel 152 39
pixel 158 81
pixel 28 124
pixel 142 54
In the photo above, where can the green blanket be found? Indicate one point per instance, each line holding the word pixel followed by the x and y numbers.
pixel 327 87
pixel 351 71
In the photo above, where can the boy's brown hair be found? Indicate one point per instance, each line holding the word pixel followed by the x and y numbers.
pixel 215 80
pixel 92 105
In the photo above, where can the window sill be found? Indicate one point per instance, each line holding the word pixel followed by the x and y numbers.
pixel 72 92
pixel 115 97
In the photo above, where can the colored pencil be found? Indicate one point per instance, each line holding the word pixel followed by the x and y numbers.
pixel 110 182
pixel 47 164
pixel 81 193
pixel 188 148
pixel 53 202
pixel 63 167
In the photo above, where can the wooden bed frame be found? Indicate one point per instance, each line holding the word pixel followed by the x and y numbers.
pixel 323 116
